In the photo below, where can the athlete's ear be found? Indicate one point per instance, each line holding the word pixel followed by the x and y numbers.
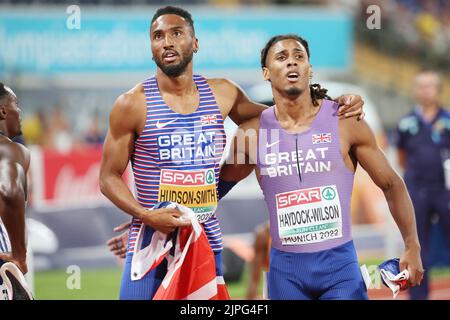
pixel 266 73
pixel 3 112
pixel 195 45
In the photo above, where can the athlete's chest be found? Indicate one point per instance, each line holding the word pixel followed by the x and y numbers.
pixel 282 155
pixel 186 104
pixel 183 139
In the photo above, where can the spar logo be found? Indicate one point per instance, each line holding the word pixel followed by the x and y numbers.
pixel 298 197
pixel 187 178
pixel 328 193
pixel 210 177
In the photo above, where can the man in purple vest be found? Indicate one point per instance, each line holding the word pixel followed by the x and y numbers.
pixel 305 159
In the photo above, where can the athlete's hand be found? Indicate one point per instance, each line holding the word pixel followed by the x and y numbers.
pixel 350 105
pixel 411 260
pixel 21 263
pixel 118 245
pixel 165 220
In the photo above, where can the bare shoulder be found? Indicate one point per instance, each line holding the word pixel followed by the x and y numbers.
pixel 14 153
pixel 222 84
pixel 226 93
pixel 224 88
pixel 355 132
pixel 129 108
pixel 132 100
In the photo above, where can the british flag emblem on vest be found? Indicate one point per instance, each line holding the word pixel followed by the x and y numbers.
pixel 211 119
pixel 321 138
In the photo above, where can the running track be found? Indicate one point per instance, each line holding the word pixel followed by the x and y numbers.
pixel 440 290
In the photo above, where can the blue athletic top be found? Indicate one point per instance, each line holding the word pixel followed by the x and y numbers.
pixel 426 145
pixel 177 158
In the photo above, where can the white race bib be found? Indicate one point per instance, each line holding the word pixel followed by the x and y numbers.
pixel 195 189
pixel 309 215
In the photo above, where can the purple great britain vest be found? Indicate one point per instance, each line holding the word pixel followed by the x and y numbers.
pixel 306 184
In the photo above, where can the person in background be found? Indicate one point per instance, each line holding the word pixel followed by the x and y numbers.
pixel 423 150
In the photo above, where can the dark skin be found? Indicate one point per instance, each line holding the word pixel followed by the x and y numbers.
pixel 172 40
pixel 261 247
pixel 295 113
pixel 14 163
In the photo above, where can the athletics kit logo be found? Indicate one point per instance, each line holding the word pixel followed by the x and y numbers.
pixel 195 189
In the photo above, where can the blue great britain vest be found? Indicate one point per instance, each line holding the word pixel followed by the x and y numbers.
pixel 177 158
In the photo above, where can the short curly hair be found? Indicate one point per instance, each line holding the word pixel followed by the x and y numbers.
pixel 177 11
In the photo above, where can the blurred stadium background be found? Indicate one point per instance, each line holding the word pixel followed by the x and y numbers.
pixel 67 79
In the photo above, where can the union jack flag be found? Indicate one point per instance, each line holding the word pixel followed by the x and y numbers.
pixel 211 119
pixel 191 272
pixel 321 138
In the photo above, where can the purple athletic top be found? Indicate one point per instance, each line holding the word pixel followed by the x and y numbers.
pixel 306 184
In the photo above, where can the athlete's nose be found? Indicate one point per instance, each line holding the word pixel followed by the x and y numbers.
pixel 291 63
pixel 168 41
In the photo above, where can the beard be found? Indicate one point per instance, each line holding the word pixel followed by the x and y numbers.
pixel 294 91
pixel 175 70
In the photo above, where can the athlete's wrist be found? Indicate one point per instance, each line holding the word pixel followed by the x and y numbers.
pixel 147 216
pixel 19 255
pixel 412 244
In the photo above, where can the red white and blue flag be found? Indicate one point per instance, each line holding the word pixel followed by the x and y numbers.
pixel 191 272
pixel 210 119
pixel 321 138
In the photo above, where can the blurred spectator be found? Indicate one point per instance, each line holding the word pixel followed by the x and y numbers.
pixel 427 21
pixel 424 152
pixel 418 28
pixel 59 135
pixel 34 127
pixel 94 134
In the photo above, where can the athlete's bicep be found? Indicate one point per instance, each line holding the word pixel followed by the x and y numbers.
pixel 238 164
pixel 12 177
pixel 241 160
pixel 372 158
pixel 119 141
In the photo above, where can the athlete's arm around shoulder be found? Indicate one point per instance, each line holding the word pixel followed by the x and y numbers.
pixel 363 147
pixel 241 160
pixel 126 122
pixel 14 163
pixel 233 101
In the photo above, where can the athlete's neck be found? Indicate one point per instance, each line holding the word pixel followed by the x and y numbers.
pixel 294 112
pixel 180 86
pixel 3 131
pixel 429 112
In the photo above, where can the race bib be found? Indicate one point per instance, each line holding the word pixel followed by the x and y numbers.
pixel 309 215
pixel 195 189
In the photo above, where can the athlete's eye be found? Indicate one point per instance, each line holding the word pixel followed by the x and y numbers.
pixel 157 36
pixel 177 33
pixel 299 56
pixel 281 58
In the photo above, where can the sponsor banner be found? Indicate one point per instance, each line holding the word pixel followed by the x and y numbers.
pixel 115 40
pixel 67 180
pixel 309 215
pixel 195 189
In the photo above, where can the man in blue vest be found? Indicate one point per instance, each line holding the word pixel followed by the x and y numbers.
pixel 423 151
